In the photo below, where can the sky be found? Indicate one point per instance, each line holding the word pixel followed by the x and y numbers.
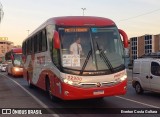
pixel 135 17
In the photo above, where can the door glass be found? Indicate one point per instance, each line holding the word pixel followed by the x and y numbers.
pixel 155 68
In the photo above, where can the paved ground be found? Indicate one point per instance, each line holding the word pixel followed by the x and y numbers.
pixel 12 96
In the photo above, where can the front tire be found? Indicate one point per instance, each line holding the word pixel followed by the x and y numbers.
pixel 29 84
pixel 49 92
pixel 29 81
pixel 138 88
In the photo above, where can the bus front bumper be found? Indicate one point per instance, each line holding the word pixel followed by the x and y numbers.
pixel 74 93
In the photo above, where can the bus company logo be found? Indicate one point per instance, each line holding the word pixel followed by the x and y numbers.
pixel 6 111
pixel 98 84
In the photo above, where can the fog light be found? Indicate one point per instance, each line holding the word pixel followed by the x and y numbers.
pixel 66 93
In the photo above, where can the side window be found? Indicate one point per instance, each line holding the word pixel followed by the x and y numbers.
pixel 24 48
pixel 44 41
pixel 35 44
pixel 28 46
pixel 30 43
pixel 40 41
pixel 155 68
pixel 55 57
pixel 32 46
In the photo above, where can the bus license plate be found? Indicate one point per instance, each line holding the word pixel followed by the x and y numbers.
pixel 98 92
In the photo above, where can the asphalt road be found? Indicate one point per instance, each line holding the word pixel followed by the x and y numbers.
pixel 15 93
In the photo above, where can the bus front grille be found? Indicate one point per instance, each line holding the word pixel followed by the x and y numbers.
pixel 97 84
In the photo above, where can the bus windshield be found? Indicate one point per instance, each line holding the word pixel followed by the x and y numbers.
pixel 90 49
pixel 17 61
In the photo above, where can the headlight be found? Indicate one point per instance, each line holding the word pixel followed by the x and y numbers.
pixel 123 78
pixel 69 82
pixel 16 69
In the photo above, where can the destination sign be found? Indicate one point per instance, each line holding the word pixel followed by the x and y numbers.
pixel 76 29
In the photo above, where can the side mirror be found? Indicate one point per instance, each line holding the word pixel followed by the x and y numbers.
pixel 56 40
pixel 125 38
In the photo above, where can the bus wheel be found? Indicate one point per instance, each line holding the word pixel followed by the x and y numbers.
pixel 29 84
pixel 138 88
pixel 49 92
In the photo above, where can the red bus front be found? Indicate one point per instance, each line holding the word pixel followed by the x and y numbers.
pixel 74 87
pixel 92 59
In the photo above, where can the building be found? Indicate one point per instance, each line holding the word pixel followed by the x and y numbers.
pixel 5 46
pixel 144 45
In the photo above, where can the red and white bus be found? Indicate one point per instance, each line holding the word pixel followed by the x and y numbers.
pixel 14 61
pixel 97 73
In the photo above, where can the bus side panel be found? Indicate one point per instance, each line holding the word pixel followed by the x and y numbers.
pixel 41 80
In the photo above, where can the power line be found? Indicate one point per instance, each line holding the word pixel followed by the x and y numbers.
pixel 140 15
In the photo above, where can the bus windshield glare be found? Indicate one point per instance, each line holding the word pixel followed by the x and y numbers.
pixel 17 60
pixel 90 49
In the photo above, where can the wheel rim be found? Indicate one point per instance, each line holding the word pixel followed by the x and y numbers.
pixel 138 88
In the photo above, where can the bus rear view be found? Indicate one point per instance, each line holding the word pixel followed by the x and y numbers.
pixel 87 58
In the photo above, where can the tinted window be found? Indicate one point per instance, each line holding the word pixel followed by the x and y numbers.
pixel 155 69
pixel 29 46
pixel 40 41
pixel 44 41
pixel 35 44
pixel 24 48
pixel 32 45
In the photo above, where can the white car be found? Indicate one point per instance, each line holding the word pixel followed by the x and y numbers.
pixel 3 67
pixel 146 75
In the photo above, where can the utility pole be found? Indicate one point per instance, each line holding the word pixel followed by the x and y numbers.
pixel 1 12
pixel 83 10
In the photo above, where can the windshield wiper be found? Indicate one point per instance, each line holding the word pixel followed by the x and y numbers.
pixel 105 59
pixel 86 61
